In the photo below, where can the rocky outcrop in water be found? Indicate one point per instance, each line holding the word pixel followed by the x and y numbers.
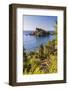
pixel 40 32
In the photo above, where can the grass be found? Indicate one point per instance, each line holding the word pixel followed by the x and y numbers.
pixel 41 61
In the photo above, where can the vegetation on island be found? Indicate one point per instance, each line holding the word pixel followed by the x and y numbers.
pixel 43 60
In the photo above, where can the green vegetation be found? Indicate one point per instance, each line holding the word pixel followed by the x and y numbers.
pixel 43 60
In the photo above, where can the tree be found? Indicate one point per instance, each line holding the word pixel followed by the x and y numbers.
pixel 55 27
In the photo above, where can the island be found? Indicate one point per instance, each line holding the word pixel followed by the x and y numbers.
pixel 41 32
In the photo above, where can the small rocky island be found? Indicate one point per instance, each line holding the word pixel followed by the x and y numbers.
pixel 40 32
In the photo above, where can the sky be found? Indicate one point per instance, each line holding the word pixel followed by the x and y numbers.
pixel 44 22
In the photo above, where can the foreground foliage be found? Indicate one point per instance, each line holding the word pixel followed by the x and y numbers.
pixel 43 60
